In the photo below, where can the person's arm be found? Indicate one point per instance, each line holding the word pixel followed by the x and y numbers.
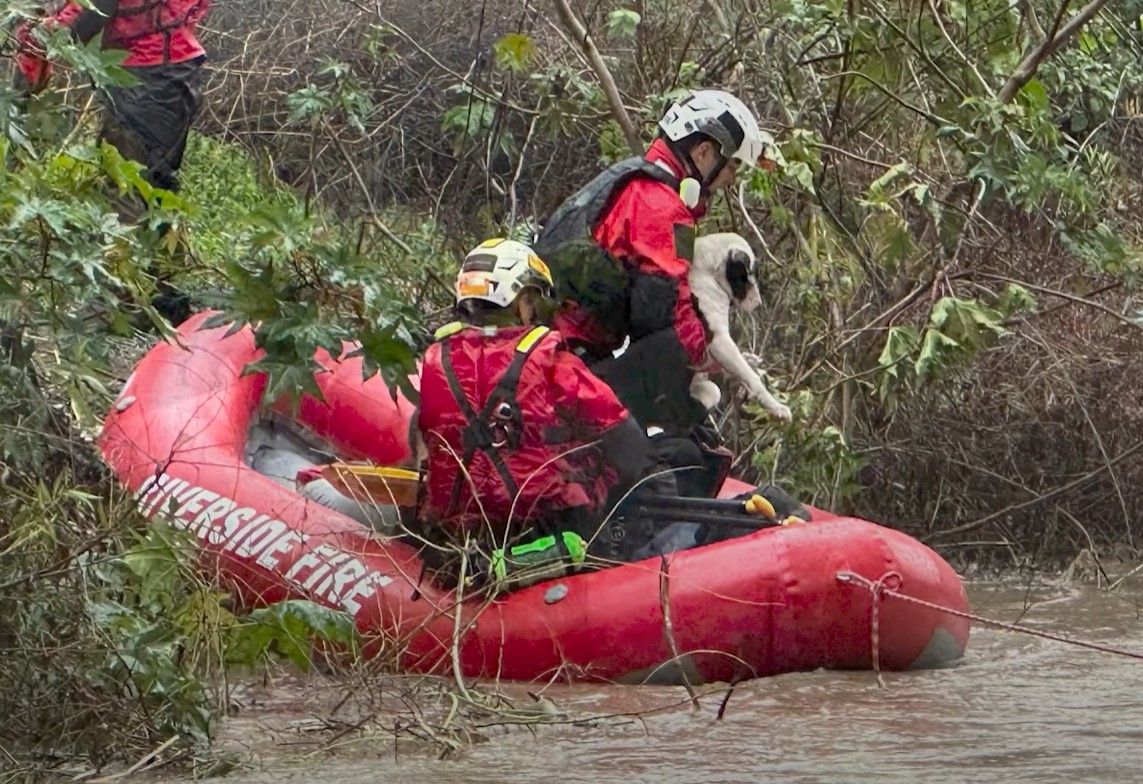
pixel 88 22
pixel 593 406
pixel 84 24
pixel 625 446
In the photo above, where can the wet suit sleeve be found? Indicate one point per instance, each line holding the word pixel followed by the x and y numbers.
pixel 84 23
pixel 592 405
pixel 87 23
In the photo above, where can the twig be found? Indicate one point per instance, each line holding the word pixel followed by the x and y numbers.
pixel 139 764
pixel 934 119
pixel 606 80
pixel 668 629
pixel 373 214
pixel 1090 545
pixel 519 168
pixel 1061 294
pixel 1130 574
pixel 1016 320
pixel 942 274
pixel 455 649
pixel 754 226
pixel 1031 62
pixel 719 15
pixel 725 700
pixel 1028 8
pixel 1046 496
pixel 971 65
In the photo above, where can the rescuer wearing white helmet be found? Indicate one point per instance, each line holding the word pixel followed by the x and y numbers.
pixel 712 133
pixel 620 250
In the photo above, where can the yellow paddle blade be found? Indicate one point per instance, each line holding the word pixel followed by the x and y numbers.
pixel 385 485
pixel 760 505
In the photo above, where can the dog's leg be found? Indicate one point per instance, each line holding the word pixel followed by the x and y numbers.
pixel 705 391
pixel 726 354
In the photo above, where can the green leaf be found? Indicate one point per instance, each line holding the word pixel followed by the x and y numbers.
pixel 623 23
pixel 53 213
pixel 469 119
pixel 964 320
pixel 898 242
pixel 1015 299
pixel 288 629
pixel 387 348
pixel 286 380
pixel 933 351
pixel 308 103
pixel 802 174
pixel 900 343
pixel 1035 95
pixel 612 143
pixel 327 66
pixel 515 51
pixel 893 174
pixel 103 66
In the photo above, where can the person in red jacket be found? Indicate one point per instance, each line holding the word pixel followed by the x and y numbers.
pixel 147 122
pixel 522 440
pixel 640 217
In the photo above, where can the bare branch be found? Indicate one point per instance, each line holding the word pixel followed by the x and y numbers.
pixel 606 80
pixel 1001 513
pixel 971 65
pixel 1028 8
pixel 719 16
pixel 1087 301
pixel 1031 62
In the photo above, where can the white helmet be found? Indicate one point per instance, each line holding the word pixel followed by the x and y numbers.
pixel 497 270
pixel 722 117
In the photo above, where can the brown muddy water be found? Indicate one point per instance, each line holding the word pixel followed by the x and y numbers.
pixel 1016 709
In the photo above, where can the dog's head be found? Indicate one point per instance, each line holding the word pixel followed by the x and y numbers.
pixel 728 258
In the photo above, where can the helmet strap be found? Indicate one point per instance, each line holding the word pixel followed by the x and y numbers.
pixel 682 150
pixel 713 175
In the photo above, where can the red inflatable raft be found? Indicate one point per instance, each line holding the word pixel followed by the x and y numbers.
pixel 179 437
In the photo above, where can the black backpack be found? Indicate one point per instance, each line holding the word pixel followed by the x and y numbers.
pixel 584 272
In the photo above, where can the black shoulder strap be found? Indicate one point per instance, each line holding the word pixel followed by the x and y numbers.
pixel 622 173
pixel 581 211
pixel 478 434
pixel 657 172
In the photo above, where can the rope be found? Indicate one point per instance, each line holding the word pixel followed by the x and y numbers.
pixel 890 585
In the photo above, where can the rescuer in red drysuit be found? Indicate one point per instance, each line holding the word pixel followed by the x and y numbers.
pixel 147 122
pixel 521 438
pixel 620 250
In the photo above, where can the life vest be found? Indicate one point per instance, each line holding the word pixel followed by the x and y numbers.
pixel 137 19
pixel 583 271
pixel 519 432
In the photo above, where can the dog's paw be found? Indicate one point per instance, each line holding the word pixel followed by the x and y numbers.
pixel 780 412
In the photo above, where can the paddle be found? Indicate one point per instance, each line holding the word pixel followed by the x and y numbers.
pixel 753 512
pixel 385 485
pixel 392 486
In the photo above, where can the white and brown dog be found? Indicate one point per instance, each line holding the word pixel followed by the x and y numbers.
pixel 722 277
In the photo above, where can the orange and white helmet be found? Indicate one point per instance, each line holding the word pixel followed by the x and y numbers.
pixel 497 270
pixel 722 117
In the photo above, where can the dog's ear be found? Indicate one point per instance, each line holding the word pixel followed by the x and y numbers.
pixel 738 265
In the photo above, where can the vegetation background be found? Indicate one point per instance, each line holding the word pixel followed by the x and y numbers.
pixel 950 267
